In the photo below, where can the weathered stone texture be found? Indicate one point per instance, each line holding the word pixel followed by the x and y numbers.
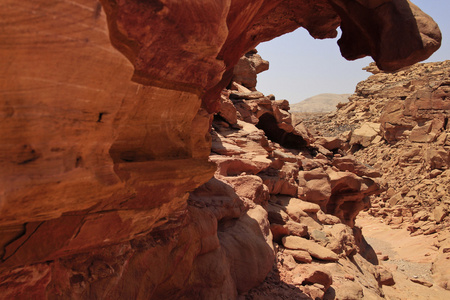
pixel 105 113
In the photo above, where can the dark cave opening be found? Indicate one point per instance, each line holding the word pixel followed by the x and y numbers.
pixel 289 140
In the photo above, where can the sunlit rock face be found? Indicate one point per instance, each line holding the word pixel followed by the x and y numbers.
pixel 372 27
pixel 105 110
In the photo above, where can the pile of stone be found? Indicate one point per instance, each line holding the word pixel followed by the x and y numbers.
pixel 310 189
pixel 398 123
pixel 400 126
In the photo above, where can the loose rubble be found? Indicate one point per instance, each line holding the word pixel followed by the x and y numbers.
pixel 397 123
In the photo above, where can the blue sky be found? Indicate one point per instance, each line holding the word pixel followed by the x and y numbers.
pixel 301 67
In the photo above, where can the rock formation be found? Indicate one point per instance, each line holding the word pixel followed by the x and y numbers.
pixel 399 125
pixel 310 189
pixel 105 117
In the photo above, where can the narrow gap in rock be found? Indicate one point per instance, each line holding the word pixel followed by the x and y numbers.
pixel 268 124
pixel 100 115
pixel 78 162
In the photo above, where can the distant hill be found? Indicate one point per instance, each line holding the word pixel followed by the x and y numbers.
pixel 323 103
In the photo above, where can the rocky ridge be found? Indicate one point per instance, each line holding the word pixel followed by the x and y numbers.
pixel 399 125
pixel 322 103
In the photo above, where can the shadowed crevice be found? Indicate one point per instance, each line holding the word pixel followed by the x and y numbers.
pixel 268 124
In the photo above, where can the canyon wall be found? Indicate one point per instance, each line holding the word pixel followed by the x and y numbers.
pixel 106 109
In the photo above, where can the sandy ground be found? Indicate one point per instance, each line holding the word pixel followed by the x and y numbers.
pixel 409 257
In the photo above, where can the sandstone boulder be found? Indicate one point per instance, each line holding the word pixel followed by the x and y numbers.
pixel 278 231
pixel 365 134
pixel 341 240
pixel 249 187
pixel 422 282
pixel 227 110
pixel 350 163
pixel 300 256
pixel 314 274
pixel 439 213
pixel 276 214
pixel 427 132
pixel 315 186
pixel 296 229
pixel 327 218
pixel 315 250
pixel 349 291
pixel 251 237
pixel 232 166
pixel 248 67
pixel 384 276
pixel 296 207
pixel 330 143
pixel 437 158
pixel 289 262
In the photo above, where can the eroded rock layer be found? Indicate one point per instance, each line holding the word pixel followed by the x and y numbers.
pixel 105 117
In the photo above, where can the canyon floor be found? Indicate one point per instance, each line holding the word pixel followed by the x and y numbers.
pixel 407 258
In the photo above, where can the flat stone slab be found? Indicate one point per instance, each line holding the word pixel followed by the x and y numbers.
pixel 314 249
